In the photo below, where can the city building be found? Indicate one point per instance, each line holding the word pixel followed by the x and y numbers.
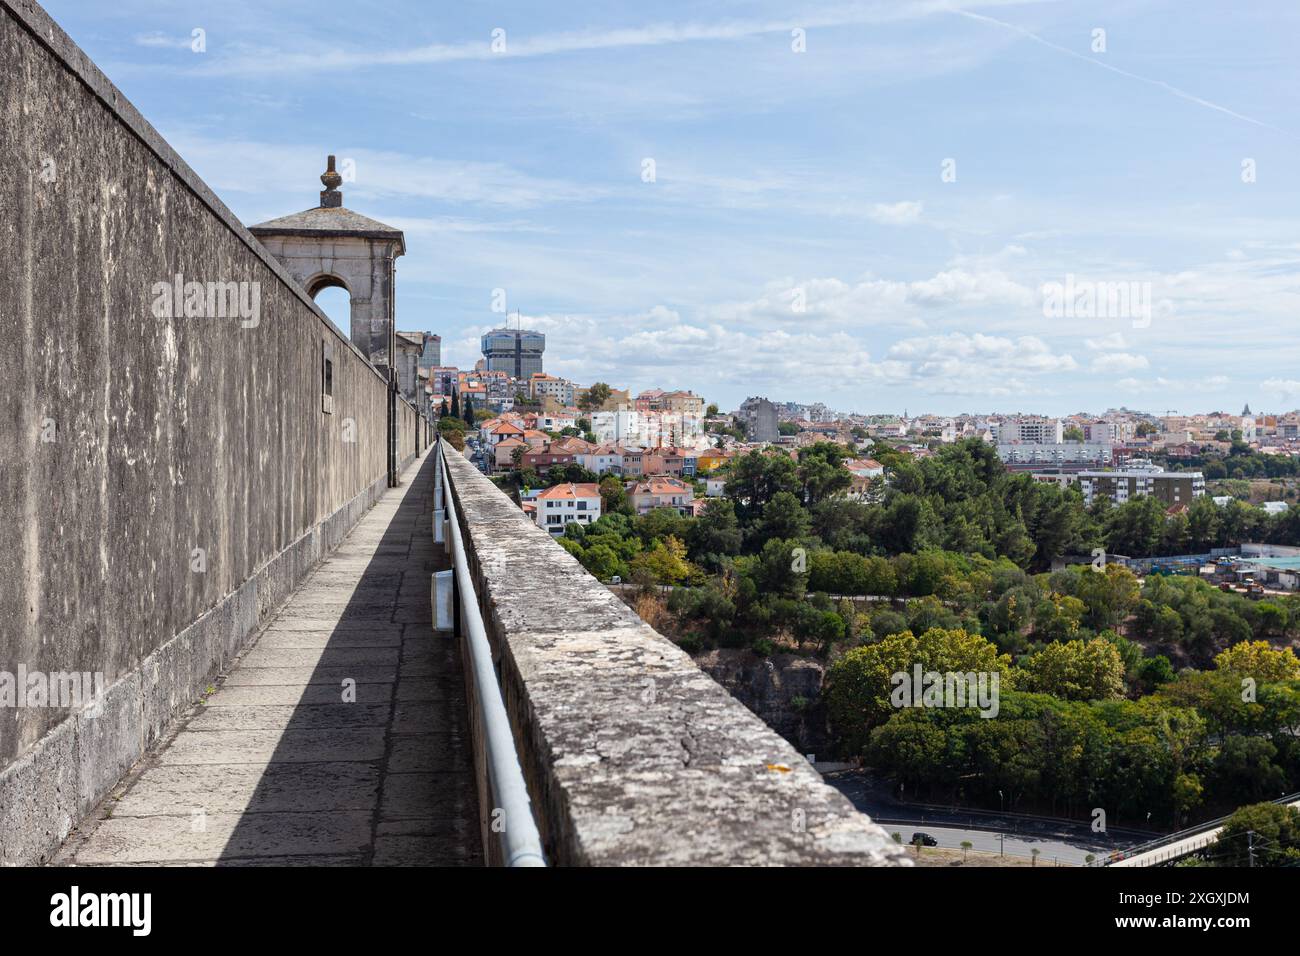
pixel 1172 488
pixel 1030 428
pixel 431 356
pixel 865 472
pixel 1107 432
pixel 759 416
pixel 1060 454
pixel 711 459
pixel 541 385
pixel 443 380
pixel 622 425
pixel 603 459
pixel 661 491
pixel 517 352
pixel 541 459
pixel 566 502
pixel 504 452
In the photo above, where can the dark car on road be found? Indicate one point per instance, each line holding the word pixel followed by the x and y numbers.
pixel 924 839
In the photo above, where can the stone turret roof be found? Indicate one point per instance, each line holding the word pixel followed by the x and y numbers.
pixel 320 219
pixel 329 218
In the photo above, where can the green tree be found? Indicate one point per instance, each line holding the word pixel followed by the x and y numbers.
pixel 613 497
pixel 783 517
pixel 665 562
pixel 779 570
pixel 1076 670
pixel 859 684
pixel 1257 659
pixel 755 478
pixel 595 397
pixel 821 471
pixel 1261 834
pixel 716 531
pixel 602 562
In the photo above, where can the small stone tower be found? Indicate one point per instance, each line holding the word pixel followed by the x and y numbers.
pixel 331 245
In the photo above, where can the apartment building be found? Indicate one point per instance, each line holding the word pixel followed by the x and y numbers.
pixel 1142 478
pixel 517 352
pixel 443 380
pixel 603 459
pixel 1060 454
pixel 622 425
pixel 759 416
pixel 1030 429
pixel 541 385
pixel 1103 432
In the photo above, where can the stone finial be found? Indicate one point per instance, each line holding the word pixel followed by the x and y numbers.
pixel 330 197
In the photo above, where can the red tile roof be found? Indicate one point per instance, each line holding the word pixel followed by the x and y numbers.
pixel 571 491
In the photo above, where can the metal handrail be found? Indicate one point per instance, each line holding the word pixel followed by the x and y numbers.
pixel 521 844
pixel 1206 829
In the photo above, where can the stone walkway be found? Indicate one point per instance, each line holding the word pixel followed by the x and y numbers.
pixel 276 767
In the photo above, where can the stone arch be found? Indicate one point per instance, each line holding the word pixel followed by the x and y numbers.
pixel 326 280
pixel 333 246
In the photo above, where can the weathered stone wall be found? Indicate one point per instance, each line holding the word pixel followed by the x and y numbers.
pixel 410 434
pixel 785 690
pixel 165 482
pixel 633 755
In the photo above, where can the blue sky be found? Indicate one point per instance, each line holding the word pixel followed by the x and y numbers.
pixel 799 238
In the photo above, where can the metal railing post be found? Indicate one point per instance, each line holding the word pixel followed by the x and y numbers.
pixel 520 842
pixel 439 509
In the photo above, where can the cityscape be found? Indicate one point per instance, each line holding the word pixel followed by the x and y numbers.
pixel 588 475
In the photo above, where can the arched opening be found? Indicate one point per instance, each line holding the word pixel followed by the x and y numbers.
pixel 334 299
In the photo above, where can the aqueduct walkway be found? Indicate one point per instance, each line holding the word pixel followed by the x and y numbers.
pixel 281 765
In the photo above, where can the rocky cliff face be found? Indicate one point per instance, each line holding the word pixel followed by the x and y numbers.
pixel 783 689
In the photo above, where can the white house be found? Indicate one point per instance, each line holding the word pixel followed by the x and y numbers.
pixel 619 426
pixel 603 459
pixel 562 503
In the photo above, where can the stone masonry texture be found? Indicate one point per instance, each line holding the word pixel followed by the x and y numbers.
pixel 166 482
pixel 633 755
pixel 276 767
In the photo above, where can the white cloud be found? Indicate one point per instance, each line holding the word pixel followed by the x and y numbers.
pixel 158 40
pixel 1113 341
pixel 519 45
pixel 895 214
pixel 246 166
pixel 958 363
pixel 1118 363
pixel 1284 388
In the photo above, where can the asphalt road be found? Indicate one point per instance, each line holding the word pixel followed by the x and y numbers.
pixel 1016 835
pixel 1050 851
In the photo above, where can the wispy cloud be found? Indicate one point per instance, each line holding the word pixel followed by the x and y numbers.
pixel 1102 64
pixel 505 44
